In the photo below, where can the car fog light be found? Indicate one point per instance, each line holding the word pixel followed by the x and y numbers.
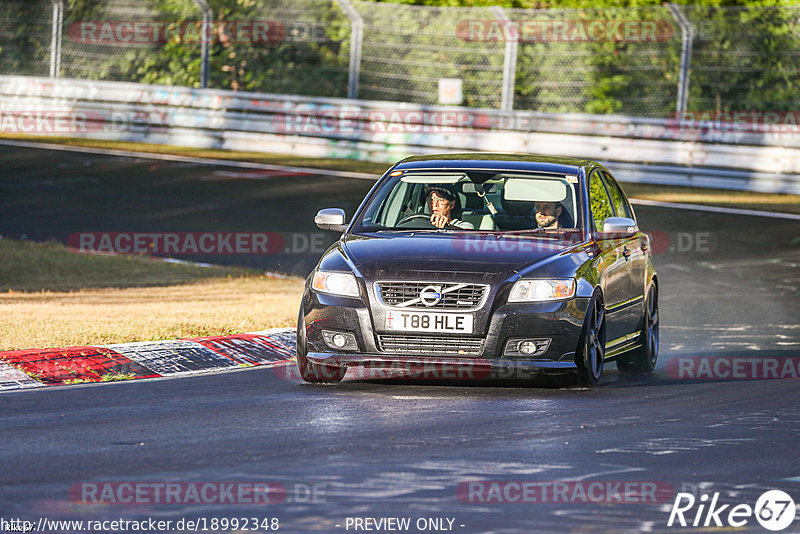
pixel 340 340
pixel 526 347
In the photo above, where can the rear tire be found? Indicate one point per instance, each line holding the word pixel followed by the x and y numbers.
pixel 309 371
pixel 643 360
pixel 591 351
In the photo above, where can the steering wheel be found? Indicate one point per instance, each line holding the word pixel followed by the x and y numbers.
pixel 421 216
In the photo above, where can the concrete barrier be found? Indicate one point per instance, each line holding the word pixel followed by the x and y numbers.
pixel 655 150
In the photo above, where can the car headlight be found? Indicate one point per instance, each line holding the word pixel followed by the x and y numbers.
pixel 541 290
pixel 335 283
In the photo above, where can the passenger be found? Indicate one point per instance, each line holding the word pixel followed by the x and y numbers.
pixel 445 208
pixel 547 214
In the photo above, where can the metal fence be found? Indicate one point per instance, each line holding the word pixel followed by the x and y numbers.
pixel 408 49
pixel 643 61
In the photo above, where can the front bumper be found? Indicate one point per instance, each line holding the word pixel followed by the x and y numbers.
pixel 443 367
pixel 561 322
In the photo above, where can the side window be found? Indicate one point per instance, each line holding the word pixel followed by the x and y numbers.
pixel 620 204
pixel 598 201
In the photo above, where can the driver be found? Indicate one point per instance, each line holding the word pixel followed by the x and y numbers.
pixel 442 203
pixel 547 214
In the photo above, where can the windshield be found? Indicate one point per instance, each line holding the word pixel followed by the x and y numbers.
pixel 472 200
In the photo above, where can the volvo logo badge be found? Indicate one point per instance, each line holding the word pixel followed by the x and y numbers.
pixel 431 295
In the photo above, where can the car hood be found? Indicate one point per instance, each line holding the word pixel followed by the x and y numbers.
pixel 401 255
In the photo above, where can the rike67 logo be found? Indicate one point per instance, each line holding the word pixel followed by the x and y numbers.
pixel 774 510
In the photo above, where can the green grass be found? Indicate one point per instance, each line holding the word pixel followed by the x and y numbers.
pixel 113 377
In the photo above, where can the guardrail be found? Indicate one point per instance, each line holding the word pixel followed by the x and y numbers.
pixel 655 150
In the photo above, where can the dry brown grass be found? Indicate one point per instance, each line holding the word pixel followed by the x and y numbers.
pixel 51 296
pixel 99 316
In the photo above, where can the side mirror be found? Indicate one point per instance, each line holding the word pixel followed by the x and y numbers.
pixel 622 226
pixel 331 219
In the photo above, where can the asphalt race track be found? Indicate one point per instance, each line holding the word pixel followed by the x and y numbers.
pixel 385 448
pixel 52 194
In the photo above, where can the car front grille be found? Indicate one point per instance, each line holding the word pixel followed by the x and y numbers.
pixel 453 296
pixel 430 346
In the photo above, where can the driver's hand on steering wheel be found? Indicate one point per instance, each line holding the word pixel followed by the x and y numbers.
pixel 439 220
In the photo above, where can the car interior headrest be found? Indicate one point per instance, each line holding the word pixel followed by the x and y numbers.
pixel 519 208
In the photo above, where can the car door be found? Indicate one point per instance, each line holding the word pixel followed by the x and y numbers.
pixel 635 262
pixel 612 265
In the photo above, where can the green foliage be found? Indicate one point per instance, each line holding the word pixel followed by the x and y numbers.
pixel 25 37
pixel 598 199
pixel 406 51
pixel 310 58
pixel 745 58
pixel 290 63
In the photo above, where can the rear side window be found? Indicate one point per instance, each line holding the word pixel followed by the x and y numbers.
pixel 618 200
pixel 599 202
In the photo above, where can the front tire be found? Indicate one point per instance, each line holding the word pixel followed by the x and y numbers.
pixel 592 345
pixel 310 371
pixel 643 360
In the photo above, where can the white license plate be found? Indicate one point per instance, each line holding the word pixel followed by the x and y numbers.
pixel 428 321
